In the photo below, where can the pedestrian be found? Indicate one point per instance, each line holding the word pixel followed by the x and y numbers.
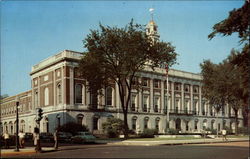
pixel 36 139
pixel 6 137
pixel 224 134
pixel 56 139
pixel 21 139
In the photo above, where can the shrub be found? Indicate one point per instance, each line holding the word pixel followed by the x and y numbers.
pixel 172 131
pixel 243 130
pixel 113 127
pixel 72 128
pixel 229 131
pixel 149 133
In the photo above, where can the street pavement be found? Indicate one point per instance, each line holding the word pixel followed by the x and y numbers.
pixel 141 149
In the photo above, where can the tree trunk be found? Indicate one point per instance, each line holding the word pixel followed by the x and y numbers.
pixel 236 121
pixel 125 125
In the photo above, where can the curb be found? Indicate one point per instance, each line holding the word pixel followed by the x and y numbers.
pixel 6 154
pixel 171 144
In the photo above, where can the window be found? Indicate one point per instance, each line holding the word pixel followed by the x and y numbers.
pixel 146 122
pixel 59 94
pixel 134 123
pixel 186 88
pixel 78 93
pixel 196 124
pixel 79 118
pixel 95 123
pixel 46 96
pixel 177 86
pixel 145 103
pixel 157 121
pixel 156 104
pixel 156 84
pixel 109 96
pixel 196 89
pixel 212 124
pixel 133 102
pixel 93 99
pixel 145 82
pixel 204 124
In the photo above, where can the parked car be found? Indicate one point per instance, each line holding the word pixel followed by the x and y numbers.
pixel 83 137
pixel 28 137
pixel 64 136
pixel 46 137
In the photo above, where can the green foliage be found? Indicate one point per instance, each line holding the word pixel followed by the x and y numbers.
pixel 113 127
pixel 72 128
pixel 229 131
pixel 172 131
pixel 238 21
pixel 116 55
pixel 149 133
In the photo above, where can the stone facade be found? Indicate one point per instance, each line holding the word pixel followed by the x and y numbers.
pixel 63 96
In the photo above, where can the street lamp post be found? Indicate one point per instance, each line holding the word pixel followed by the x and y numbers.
pixel 58 120
pixel 17 126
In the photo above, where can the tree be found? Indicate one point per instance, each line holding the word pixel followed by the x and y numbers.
pixel 72 128
pixel 113 127
pixel 117 55
pixel 238 22
pixel 214 88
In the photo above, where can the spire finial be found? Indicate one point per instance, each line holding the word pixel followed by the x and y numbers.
pixel 151 10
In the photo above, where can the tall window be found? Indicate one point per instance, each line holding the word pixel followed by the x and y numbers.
pixel 157 121
pixel 156 104
pixel 78 93
pixel 196 124
pixel 79 119
pixel 46 96
pixel 212 124
pixel 133 102
pixel 59 94
pixel 109 96
pixel 95 123
pixel 145 82
pixel 146 122
pixel 134 123
pixel 145 103
pixel 156 83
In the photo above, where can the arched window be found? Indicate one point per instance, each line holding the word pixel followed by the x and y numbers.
pixel 157 121
pixel 46 96
pixel 204 124
pixel 212 124
pixel 196 124
pixel 109 96
pixel 79 118
pixel 146 122
pixel 78 93
pixel 59 93
pixel 134 122
pixel 22 125
pixel 95 122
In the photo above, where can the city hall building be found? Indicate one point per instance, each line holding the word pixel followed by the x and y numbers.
pixel 64 97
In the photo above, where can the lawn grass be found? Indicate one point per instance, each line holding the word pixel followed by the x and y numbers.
pixel 162 139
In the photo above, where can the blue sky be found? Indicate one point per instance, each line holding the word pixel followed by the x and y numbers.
pixel 34 30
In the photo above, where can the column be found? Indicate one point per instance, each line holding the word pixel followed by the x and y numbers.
pixel 140 97
pixel 87 94
pixel 200 100
pixel 117 97
pixel 173 97
pixel 71 85
pixel 39 92
pixel 55 86
pixel 182 97
pixel 64 77
pixel 151 101
pixel 191 97
pixel 162 106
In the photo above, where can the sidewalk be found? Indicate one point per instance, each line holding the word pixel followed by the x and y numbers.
pixel 176 142
pixel 24 151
